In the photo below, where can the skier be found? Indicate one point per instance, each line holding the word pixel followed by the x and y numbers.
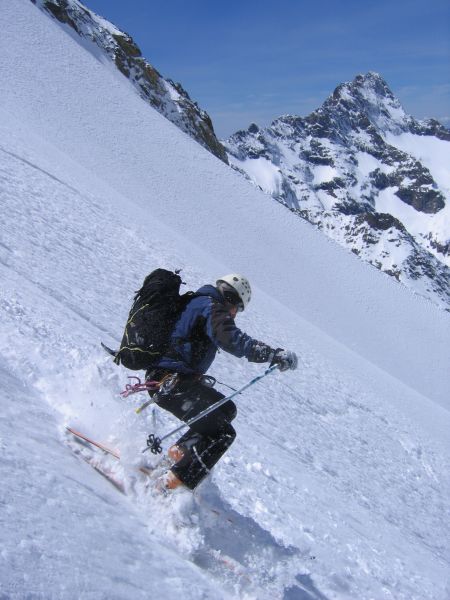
pixel 206 324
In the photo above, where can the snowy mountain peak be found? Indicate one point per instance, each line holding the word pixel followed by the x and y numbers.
pixel 167 97
pixel 369 95
pixel 366 173
pixel 371 87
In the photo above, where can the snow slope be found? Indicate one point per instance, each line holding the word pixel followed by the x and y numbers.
pixel 337 485
pixel 107 131
pixel 119 51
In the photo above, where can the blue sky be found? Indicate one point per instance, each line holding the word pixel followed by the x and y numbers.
pixel 253 60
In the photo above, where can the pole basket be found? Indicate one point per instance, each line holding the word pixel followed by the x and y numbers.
pixel 154 444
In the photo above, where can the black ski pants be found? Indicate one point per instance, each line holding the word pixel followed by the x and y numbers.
pixel 208 438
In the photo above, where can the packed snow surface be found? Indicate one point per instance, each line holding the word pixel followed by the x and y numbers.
pixel 337 486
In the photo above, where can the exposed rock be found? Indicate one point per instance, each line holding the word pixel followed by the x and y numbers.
pixel 167 97
pixel 424 200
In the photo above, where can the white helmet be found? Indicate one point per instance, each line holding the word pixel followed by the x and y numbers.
pixel 241 286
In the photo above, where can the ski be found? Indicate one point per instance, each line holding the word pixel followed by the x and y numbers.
pixel 148 471
pixel 84 439
pixel 93 460
pixel 108 473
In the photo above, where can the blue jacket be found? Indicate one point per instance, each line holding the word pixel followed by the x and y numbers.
pixel 203 327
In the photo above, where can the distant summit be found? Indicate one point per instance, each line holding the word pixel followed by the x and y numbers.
pixel 370 96
pixel 167 97
pixel 367 174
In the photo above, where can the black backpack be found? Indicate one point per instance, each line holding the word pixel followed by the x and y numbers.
pixel 156 308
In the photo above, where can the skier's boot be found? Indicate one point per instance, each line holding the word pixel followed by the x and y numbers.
pixel 171 481
pixel 175 453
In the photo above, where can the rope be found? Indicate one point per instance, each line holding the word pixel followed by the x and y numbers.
pixel 140 386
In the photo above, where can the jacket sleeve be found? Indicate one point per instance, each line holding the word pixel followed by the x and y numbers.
pixel 222 330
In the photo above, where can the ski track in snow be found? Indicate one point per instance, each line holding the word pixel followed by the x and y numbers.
pixel 336 487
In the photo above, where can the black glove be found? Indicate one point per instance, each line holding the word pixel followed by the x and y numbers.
pixel 284 359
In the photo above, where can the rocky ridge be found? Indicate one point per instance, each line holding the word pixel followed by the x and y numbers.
pixel 353 168
pixel 167 97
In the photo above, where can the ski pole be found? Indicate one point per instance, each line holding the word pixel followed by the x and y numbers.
pixel 154 442
pixel 143 406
